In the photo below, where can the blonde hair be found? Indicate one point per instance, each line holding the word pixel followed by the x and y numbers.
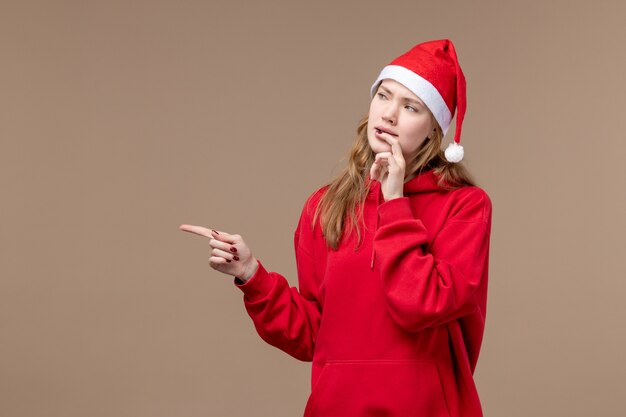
pixel 342 201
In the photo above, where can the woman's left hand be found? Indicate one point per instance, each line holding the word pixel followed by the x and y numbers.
pixel 388 168
pixel 227 248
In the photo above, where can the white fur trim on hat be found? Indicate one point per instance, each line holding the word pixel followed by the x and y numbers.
pixel 421 88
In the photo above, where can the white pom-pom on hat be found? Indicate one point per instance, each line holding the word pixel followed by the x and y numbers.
pixel 454 152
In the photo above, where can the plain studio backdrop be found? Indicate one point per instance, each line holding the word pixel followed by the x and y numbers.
pixel 120 120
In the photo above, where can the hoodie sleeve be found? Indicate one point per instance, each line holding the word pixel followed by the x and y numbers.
pixel 429 283
pixel 283 316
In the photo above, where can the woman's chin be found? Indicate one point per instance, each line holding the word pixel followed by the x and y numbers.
pixel 380 147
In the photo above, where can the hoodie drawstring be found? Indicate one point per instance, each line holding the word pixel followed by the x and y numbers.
pixel 378 202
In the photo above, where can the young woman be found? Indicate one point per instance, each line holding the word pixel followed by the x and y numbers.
pixel 392 259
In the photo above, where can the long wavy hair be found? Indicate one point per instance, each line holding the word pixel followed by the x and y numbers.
pixel 342 201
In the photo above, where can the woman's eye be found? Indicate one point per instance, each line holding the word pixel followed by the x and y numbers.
pixel 411 108
pixel 381 95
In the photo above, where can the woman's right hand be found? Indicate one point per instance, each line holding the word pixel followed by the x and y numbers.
pixel 229 255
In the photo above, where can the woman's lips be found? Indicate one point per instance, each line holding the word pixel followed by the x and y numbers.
pixel 379 132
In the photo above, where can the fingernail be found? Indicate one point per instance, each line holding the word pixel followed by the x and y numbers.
pixel 228 260
pixel 216 232
pixel 236 257
pixel 233 249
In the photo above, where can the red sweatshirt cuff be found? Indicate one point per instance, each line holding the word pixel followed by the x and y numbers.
pixel 259 284
pixel 398 208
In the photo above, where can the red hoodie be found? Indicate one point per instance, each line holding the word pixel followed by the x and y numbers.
pixel 394 327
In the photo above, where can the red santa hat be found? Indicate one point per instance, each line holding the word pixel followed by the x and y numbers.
pixel 432 72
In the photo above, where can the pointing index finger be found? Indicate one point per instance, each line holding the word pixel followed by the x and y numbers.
pixel 198 230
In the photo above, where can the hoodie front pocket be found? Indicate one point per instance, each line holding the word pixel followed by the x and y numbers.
pixel 388 388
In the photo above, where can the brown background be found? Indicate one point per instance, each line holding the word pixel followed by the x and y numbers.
pixel 120 120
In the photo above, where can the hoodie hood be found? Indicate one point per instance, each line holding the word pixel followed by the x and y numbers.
pixel 424 182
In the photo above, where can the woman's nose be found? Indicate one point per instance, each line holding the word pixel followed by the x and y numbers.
pixel 389 115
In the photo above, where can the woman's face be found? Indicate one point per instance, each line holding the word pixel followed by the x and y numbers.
pixel 398 113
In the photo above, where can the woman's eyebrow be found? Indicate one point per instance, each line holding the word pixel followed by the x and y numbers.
pixel 409 99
